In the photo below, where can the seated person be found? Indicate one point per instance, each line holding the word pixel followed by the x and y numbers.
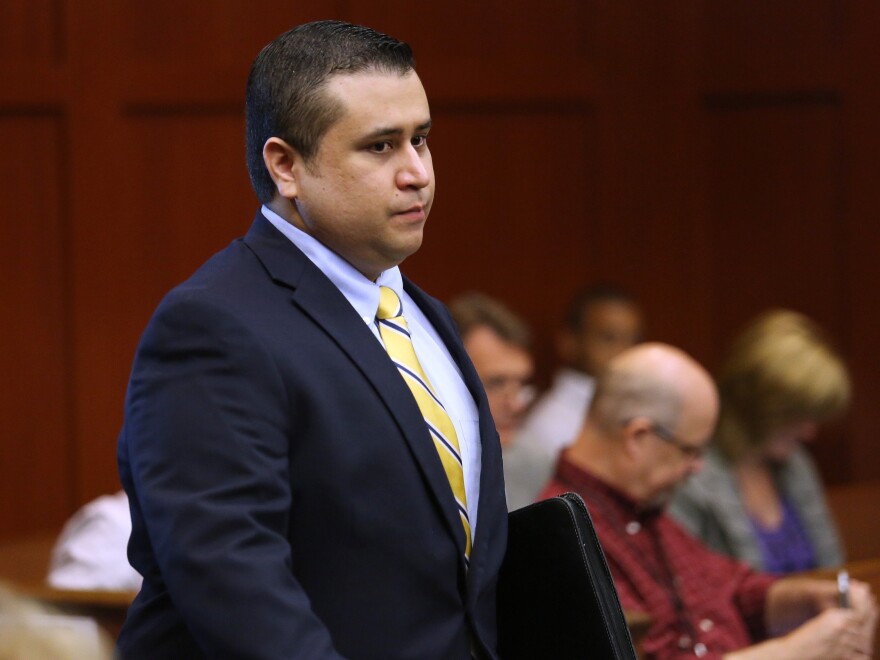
pixel 91 552
pixel 498 342
pixel 759 497
pixel 647 429
pixel 600 322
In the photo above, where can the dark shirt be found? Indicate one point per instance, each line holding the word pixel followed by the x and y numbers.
pixel 701 603
pixel 787 548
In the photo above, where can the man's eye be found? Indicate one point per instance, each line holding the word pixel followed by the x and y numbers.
pixel 419 141
pixel 380 147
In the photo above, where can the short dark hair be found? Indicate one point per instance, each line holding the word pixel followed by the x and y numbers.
pixel 591 295
pixel 472 310
pixel 284 90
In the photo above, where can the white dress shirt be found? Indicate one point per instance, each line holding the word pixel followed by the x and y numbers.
pixel 433 355
pixel 551 426
pixel 557 417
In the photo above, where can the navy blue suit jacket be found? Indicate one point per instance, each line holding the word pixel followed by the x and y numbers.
pixel 286 499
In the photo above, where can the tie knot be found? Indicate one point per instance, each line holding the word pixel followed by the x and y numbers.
pixel 389 304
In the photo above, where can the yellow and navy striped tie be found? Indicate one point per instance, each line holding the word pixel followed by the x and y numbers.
pixel 398 343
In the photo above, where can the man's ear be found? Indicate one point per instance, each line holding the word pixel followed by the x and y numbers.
pixel 635 434
pixel 282 161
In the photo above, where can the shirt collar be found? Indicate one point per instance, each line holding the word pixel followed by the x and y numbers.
pixel 357 289
pixel 606 495
pixel 576 381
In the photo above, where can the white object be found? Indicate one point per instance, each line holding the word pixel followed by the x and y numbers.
pixel 91 552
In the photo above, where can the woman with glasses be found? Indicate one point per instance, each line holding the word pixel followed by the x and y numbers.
pixel 759 497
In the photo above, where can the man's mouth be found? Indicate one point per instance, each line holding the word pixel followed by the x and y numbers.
pixel 417 211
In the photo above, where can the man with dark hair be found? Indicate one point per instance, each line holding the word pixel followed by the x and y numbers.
pixel 498 343
pixel 600 322
pixel 308 452
pixel 284 93
pixel 647 430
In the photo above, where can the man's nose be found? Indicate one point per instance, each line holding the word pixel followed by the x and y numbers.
pixel 415 171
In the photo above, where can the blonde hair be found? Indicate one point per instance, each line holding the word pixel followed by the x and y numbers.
pixel 30 630
pixel 780 370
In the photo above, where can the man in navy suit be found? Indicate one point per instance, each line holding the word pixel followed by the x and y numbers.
pixel 287 499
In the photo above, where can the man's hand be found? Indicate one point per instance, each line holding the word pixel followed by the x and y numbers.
pixel 835 634
pixel 829 632
pixel 862 602
pixel 793 600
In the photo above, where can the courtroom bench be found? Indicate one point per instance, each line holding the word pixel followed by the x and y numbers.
pixel 24 563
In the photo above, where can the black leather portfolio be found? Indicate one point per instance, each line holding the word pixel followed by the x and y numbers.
pixel 556 598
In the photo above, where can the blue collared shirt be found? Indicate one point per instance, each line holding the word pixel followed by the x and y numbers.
pixel 433 355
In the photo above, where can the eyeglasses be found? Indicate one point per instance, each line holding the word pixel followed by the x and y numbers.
pixel 692 452
pixel 510 386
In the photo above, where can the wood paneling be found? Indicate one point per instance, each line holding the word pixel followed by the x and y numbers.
pixel 185 195
pixel 651 225
pixel 494 50
pixel 158 165
pixel 518 216
pixel 776 187
pixel 861 88
pixel 781 177
pixel 162 32
pixel 31 31
pixel 188 194
pixel 754 46
pixel 854 507
pixel 714 157
pixel 35 447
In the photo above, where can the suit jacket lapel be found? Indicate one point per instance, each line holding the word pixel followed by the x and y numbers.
pixel 490 445
pixel 319 298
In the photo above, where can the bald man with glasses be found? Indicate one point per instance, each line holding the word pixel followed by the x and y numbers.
pixel 647 430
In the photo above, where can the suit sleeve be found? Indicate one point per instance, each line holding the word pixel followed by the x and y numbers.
pixel 208 427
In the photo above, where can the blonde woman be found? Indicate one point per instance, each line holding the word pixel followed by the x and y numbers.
pixel 758 496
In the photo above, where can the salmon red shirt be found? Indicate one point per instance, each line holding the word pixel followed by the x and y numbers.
pixel 702 604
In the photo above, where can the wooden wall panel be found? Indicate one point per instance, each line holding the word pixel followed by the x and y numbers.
pixel 776 190
pixel 682 149
pixel 31 30
pixel 180 52
pixel 186 196
pixel 497 49
pixel 515 222
pixel 189 193
pixel 785 45
pixel 185 31
pixel 861 88
pixel 777 226
pixel 36 483
pixel 158 152
pixel 650 228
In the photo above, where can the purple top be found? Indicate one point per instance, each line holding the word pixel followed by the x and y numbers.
pixel 787 548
